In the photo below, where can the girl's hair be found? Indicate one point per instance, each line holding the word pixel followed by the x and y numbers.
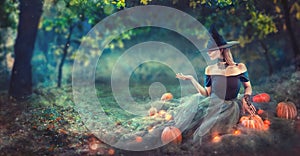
pixel 228 56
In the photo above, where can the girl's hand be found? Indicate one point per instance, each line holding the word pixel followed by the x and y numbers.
pixel 248 106
pixel 184 77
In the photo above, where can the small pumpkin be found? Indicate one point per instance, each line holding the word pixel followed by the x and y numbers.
pixel 166 97
pixel 261 98
pixel 162 113
pixel 171 134
pixel 152 111
pixel 111 151
pixel 254 122
pixel 260 112
pixel 168 117
pixel 138 139
pixel 286 110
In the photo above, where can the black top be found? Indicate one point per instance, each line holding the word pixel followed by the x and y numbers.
pixel 225 87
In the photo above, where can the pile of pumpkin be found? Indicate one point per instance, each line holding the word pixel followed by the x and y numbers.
pixel 162 113
pixel 286 110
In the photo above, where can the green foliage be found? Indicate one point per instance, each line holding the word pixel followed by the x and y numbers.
pixel 9 13
pixel 211 3
pixel 260 25
pixel 145 2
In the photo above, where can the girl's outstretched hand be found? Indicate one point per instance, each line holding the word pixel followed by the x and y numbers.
pixel 183 77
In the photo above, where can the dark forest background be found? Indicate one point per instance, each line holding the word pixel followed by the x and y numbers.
pixel 39 38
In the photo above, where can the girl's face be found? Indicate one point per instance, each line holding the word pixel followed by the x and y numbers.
pixel 215 54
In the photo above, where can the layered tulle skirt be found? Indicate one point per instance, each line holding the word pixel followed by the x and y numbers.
pixel 196 116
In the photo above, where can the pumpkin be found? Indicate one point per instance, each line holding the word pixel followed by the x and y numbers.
pixel 286 110
pixel 111 151
pixel 162 113
pixel 254 122
pixel 171 134
pixel 261 98
pixel 260 112
pixel 138 139
pixel 168 117
pixel 166 97
pixel 152 111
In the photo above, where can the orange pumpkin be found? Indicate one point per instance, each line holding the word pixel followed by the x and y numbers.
pixel 162 113
pixel 152 111
pixel 166 97
pixel 111 151
pixel 138 139
pixel 260 112
pixel 286 110
pixel 171 134
pixel 254 122
pixel 261 98
pixel 168 117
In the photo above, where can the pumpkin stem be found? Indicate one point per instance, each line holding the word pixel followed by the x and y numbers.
pixel 286 99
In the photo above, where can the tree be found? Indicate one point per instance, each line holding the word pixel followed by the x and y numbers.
pixel 71 16
pixel 287 16
pixel 21 78
pixel 8 25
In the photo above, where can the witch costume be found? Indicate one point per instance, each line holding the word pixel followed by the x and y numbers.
pixel 218 113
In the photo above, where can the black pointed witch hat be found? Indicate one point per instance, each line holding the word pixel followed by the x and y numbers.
pixel 217 41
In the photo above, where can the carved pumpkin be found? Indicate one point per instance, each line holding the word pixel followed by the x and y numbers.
pixel 286 110
pixel 261 98
pixel 254 122
pixel 166 97
pixel 171 134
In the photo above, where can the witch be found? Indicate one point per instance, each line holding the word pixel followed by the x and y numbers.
pixel 217 107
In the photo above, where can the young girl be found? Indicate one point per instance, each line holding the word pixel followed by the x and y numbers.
pixel 221 87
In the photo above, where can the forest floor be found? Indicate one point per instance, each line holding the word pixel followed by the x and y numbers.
pixel 48 124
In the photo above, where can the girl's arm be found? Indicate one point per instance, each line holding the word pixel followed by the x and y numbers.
pixel 246 100
pixel 247 88
pixel 203 91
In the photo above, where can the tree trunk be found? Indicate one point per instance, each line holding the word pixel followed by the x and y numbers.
pixel 286 11
pixel 21 77
pixel 63 58
pixel 266 53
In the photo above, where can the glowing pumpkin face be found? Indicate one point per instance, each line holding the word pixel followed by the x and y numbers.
pixel 286 110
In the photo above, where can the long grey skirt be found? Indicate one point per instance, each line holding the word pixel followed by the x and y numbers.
pixel 206 115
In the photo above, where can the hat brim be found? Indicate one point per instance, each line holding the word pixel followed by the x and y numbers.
pixel 227 45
